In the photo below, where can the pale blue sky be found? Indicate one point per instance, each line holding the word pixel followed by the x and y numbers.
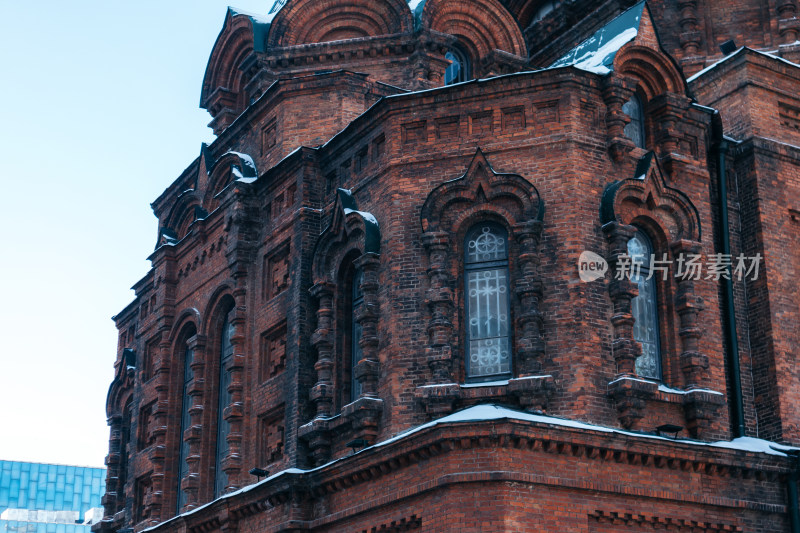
pixel 98 114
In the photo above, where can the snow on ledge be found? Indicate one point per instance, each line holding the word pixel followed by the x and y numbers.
pixel 662 387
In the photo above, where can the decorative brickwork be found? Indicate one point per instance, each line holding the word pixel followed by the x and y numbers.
pixel 313 269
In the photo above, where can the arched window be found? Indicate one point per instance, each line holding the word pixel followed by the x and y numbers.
pixel 487 304
pixel 634 130
pixel 186 403
pixel 223 425
pixel 355 333
pixel 645 307
pixel 459 68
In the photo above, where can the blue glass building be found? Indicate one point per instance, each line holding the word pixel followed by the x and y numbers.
pixel 49 498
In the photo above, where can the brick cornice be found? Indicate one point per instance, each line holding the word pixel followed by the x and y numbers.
pixel 624 448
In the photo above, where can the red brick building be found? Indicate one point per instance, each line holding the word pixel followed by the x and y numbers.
pixel 369 284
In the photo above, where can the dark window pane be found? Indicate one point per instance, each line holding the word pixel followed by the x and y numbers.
pixel 223 425
pixel 459 67
pixel 634 130
pixel 644 308
pixel 355 349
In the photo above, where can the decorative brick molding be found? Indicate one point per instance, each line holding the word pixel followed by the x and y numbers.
pixel 466 19
pixel 617 89
pixel 639 521
pixel 306 21
pixel 407 523
pixel 119 400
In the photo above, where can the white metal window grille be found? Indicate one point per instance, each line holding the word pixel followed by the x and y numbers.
pixel 487 303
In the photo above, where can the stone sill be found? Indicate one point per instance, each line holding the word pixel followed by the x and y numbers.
pixel 443 397
pixel 659 392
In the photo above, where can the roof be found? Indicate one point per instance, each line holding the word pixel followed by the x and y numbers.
pixel 741 51
pixel 494 412
pixel 596 54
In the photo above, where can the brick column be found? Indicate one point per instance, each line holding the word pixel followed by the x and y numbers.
pixel 622 291
pixel 530 345
pixel 630 395
pixel 693 363
pixel 700 405
pixel 160 413
pixel 194 433
pixel 788 24
pixel 690 36
pixel 617 90
pixel 367 370
pixel 234 412
pixel 322 340
pixel 440 301
pixel 316 433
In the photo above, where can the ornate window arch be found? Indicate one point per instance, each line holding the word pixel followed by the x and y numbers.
pixel 467 22
pixel 345 274
pixel 455 213
pixel 120 409
pixel 645 201
pixel 218 357
pixel 229 167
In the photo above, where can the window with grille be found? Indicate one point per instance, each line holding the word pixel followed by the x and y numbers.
pixel 487 304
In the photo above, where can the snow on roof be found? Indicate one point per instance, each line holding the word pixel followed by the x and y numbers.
pixel 734 54
pixel 263 19
pixel 596 54
pixel 496 412
pixel 366 215
pixel 713 65
pixel 489 412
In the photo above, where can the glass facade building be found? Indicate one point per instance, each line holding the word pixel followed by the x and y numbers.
pixel 49 498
